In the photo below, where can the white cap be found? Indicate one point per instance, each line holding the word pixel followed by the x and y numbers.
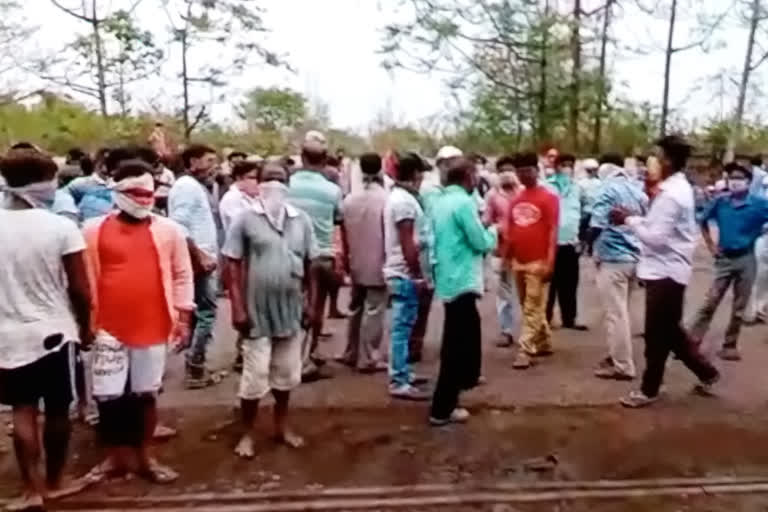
pixel 447 152
pixel 315 141
pixel 590 163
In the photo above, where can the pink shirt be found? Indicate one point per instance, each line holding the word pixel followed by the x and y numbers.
pixel 364 224
pixel 497 206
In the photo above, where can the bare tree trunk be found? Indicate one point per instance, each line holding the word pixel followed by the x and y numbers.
pixel 738 116
pixel 597 133
pixel 542 107
pixel 100 73
pixel 667 67
pixel 185 83
pixel 573 125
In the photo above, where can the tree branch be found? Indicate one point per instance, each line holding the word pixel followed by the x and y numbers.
pixel 74 13
pixel 198 118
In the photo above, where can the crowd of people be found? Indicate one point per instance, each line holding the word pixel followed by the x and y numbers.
pixel 112 262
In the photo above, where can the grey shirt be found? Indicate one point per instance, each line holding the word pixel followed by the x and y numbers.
pixel 275 266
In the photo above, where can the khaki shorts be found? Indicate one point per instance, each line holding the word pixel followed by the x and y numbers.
pixel 270 364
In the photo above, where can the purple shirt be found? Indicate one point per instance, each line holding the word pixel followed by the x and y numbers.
pixel 364 225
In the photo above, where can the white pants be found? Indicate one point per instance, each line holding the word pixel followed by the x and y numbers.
pixel 758 302
pixel 117 368
pixel 615 282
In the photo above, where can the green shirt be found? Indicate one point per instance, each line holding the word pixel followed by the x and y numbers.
pixel 460 243
pixel 321 200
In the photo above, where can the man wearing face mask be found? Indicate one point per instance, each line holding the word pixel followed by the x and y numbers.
pixel 143 300
pixel 461 242
pixel 268 252
pixel 565 280
pixel 739 217
pixel 44 311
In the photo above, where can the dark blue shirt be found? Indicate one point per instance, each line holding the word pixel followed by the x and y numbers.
pixel 739 221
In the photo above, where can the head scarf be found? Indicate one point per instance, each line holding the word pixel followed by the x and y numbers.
pixel 135 195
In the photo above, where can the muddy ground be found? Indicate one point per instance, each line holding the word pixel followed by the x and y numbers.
pixel 358 437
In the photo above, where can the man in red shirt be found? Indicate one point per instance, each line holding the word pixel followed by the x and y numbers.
pixel 529 250
pixel 142 278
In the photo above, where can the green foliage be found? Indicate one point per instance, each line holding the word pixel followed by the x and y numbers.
pixel 273 109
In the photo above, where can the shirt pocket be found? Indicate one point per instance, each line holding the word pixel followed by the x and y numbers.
pixel 296 264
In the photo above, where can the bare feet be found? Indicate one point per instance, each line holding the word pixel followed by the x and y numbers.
pixel 158 473
pixel 164 432
pixel 67 488
pixel 245 448
pixel 290 439
pixel 29 501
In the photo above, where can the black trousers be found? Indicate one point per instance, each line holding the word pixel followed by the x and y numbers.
pixel 565 284
pixel 460 356
pixel 663 334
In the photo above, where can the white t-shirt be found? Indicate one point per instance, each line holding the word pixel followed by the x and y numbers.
pixel 34 302
pixel 401 205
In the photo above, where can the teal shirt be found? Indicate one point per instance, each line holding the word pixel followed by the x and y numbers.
pixel 321 200
pixel 460 243
pixel 572 202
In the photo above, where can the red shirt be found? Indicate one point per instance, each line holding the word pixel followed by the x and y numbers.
pixel 532 225
pixel 132 304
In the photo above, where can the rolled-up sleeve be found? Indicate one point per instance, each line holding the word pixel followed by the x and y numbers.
pixel 181 272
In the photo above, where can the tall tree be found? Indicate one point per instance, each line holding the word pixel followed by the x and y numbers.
pixel 273 109
pixel 15 33
pixel 705 26
pixel 756 16
pixel 111 54
pixel 602 78
pixel 228 27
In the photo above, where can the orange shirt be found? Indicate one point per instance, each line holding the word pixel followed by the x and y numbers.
pixel 532 219
pixel 132 304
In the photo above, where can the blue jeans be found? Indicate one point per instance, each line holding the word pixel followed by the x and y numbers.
pixel 405 311
pixel 206 289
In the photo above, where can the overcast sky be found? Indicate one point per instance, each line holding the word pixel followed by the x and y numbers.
pixel 332 45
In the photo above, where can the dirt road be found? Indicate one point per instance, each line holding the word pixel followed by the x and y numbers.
pixel 555 423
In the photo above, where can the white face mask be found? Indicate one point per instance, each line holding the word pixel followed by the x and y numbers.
pixel 39 195
pixel 273 194
pixel 738 185
pixel 135 196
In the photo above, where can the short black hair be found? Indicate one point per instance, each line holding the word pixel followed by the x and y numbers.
pixel 21 167
pixel 75 155
pixel 756 160
pixel 612 158
pixel 505 160
pixel 314 157
pixel 735 166
pixel 677 149
pixel 477 157
pixel 236 154
pixel 370 163
pixel 240 169
pixel 407 166
pixel 526 159
pixel 458 170
pixel 131 168
pixel 565 157
pixel 24 145
pixel 148 155
pixel 117 155
pixel 195 151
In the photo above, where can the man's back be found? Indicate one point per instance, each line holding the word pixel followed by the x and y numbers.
pixel 364 224
pixel 321 200
pixel 92 196
pixel 34 303
pixel 617 243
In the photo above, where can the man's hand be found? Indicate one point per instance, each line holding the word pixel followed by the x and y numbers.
pixel 240 321
pixel 181 336
pixel 207 263
pixel 618 216
pixel 714 250
pixel 86 339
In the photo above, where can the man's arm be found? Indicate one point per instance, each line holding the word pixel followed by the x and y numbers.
pixel 554 226
pixel 234 253
pixel 405 234
pixel 481 240
pixel 79 291
pixel 655 229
